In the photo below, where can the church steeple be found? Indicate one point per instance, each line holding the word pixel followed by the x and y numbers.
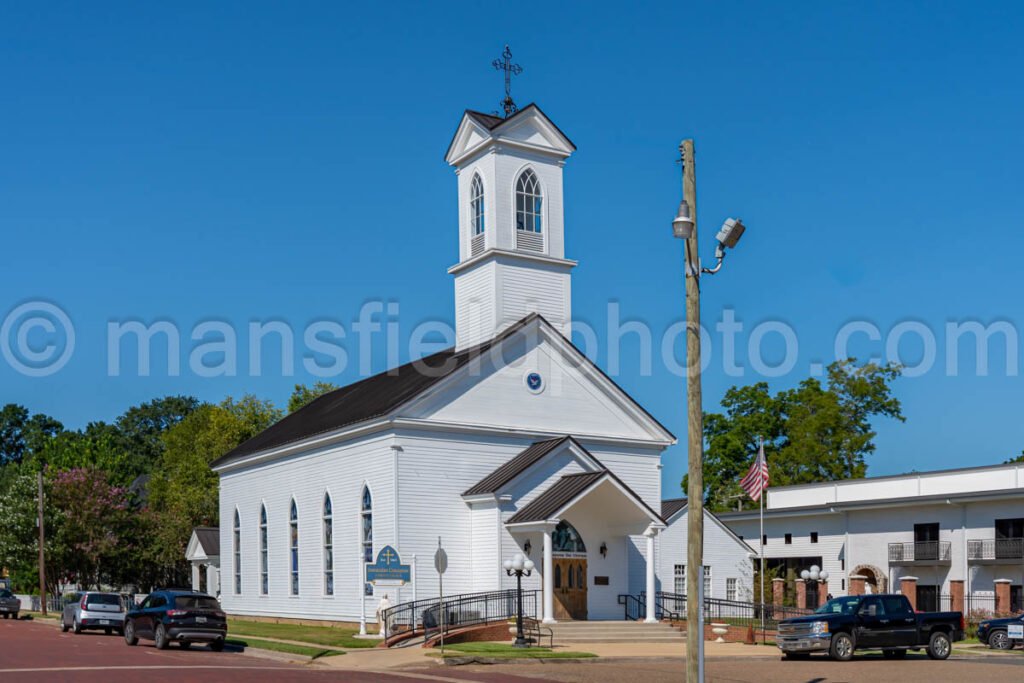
pixel 511 232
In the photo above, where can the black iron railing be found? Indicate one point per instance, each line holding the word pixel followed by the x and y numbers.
pixel 466 609
pixel 920 551
pixel 996 549
pixel 672 606
pixel 634 607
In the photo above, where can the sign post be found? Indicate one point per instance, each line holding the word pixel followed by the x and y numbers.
pixel 441 565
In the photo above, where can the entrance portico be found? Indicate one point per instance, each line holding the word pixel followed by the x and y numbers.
pixel 589 523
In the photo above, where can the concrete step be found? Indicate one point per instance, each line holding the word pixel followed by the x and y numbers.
pixel 615 632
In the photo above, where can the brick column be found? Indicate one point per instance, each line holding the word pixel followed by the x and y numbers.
pixel 822 593
pixel 801 593
pixel 956 595
pixel 1002 597
pixel 857 584
pixel 908 586
pixel 778 591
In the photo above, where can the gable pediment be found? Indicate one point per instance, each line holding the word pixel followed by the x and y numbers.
pixel 528 128
pixel 575 397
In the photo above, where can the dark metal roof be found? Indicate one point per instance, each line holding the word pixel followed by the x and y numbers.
pixel 209 538
pixel 671 507
pixel 488 121
pixel 366 399
pixel 558 496
pixel 514 467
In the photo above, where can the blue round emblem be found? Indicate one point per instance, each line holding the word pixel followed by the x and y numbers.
pixel 534 381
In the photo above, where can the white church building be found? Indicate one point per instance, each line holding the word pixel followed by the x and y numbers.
pixel 512 441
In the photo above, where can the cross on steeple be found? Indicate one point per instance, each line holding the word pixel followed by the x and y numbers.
pixel 505 64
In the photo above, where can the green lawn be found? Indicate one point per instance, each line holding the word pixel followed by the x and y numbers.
pixel 506 651
pixel 313 652
pixel 315 635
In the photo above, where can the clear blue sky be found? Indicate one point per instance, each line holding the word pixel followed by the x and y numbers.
pixel 272 161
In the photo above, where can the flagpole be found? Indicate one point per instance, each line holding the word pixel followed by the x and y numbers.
pixel 760 505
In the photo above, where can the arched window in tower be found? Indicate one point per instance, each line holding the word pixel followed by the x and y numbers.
pixel 328 546
pixel 529 213
pixel 366 523
pixel 476 204
pixel 264 564
pixel 236 550
pixel 293 547
pixel 528 202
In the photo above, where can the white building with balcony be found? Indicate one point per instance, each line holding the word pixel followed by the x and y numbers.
pixel 934 535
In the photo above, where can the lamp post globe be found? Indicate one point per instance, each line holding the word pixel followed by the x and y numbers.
pixel 519 567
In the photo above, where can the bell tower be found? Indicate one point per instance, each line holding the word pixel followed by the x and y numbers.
pixel 511 229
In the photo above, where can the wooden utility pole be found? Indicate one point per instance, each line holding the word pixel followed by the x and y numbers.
pixel 695 435
pixel 42 550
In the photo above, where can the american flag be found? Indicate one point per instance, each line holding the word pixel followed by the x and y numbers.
pixel 756 480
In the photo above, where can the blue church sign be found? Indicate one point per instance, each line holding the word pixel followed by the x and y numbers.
pixel 388 570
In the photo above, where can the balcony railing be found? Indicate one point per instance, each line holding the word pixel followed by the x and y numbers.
pixel 920 552
pixel 995 549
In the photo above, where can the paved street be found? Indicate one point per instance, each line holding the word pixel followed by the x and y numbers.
pixel 37 651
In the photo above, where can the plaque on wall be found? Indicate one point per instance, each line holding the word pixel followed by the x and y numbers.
pixel 600 580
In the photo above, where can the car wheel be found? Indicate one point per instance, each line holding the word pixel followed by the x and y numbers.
pixel 129 634
pixel 77 627
pixel 185 644
pixel 160 637
pixel 63 625
pixel 939 646
pixel 842 646
pixel 217 645
pixel 999 640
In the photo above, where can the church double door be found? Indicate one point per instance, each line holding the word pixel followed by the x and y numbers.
pixel 570 588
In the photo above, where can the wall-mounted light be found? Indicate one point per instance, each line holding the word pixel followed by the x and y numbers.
pixel 527 546
pixel 604 549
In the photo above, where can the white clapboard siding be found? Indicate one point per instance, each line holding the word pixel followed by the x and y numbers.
pixel 728 557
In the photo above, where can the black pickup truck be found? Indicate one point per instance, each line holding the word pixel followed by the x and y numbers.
pixel 870 622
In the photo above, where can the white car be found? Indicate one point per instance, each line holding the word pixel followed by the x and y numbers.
pixel 94 611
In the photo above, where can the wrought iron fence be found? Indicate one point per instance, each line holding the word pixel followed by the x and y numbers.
pixel 995 549
pixel 466 609
pixel 920 551
pixel 672 606
pixel 975 607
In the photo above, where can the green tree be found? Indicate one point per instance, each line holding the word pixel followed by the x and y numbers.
pixel 21 433
pixel 99 446
pixel 144 425
pixel 1019 458
pixel 304 395
pixel 19 535
pixel 812 432
pixel 183 490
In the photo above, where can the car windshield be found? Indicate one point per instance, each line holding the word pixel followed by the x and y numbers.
pixel 195 602
pixel 6 594
pixel 104 599
pixel 845 605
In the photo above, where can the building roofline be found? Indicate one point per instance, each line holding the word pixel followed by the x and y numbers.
pixel 885 477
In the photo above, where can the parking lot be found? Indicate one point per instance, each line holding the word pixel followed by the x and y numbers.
pixel 38 651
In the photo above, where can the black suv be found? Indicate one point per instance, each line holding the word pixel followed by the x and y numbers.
pixel 183 617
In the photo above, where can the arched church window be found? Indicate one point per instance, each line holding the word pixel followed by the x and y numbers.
pixel 366 522
pixel 528 202
pixel 558 576
pixel 328 546
pixel 236 549
pixel 476 205
pixel 264 564
pixel 293 547
pixel 565 539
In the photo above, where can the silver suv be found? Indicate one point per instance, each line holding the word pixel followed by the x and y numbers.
pixel 94 611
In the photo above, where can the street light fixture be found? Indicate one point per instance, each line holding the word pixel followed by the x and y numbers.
pixel 519 567
pixel 684 227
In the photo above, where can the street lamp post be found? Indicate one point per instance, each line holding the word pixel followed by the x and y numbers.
pixel 684 227
pixel 519 567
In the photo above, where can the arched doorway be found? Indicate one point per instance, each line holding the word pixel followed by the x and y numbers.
pixel 874 578
pixel 569 555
